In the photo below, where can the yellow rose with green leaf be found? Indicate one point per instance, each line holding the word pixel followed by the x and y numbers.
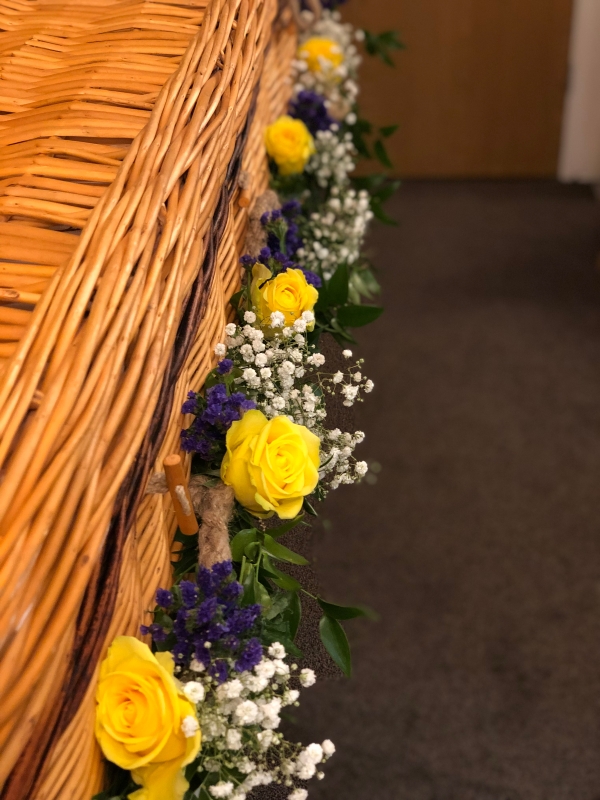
pixel 320 53
pixel 288 293
pixel 290 144
pixel 270 464
pixel 144 722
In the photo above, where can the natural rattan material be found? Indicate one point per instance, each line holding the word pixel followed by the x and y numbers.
pixel 98 347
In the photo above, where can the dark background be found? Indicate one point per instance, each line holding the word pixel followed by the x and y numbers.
pixel 478 544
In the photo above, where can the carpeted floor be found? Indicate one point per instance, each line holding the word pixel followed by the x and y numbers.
pixel 480 542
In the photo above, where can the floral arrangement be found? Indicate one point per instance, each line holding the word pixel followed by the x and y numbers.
pixel 196 712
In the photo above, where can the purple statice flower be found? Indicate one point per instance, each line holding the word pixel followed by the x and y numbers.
pixel 189 593
pixel 206 610
pixel 242 619
pixel 223 570
pixel 214 415
pixel 210 625
pixel 250 657
pixel 311 109
pixel 312 278
pixel 157 632
pixel 225 366
pixel 264 255
pixel 164 598
pixel 218 671
pixel 190 405
pixel 247 261
pixel 291 208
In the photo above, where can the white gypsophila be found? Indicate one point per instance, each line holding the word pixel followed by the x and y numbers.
pixel 336 83
pixel 246 713
pixel 307 677
pixel 335 233
pixel 285 379
pixel 333 160
pixel 189 726
pixel 221 789
pixel 194 691
pixel 277 650
pixel 328 747
pixel 233 739
pixel 298 794
pixel 239 719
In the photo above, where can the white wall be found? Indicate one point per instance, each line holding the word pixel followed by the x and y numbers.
pixel 579 158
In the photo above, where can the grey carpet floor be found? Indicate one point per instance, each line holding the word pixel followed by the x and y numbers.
pixel 479 544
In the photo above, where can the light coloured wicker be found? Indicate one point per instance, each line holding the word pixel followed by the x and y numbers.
pixel 79 392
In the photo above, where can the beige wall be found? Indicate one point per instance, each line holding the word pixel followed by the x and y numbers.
pixel 479 91
pixel 580 145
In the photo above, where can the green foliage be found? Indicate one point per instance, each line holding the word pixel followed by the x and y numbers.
pixel 383 45
pixel 335 640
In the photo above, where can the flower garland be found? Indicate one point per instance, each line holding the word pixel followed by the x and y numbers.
pixel 197 714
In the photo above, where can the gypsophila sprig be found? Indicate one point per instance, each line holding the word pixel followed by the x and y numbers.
pixel 326 70
pixel 238 686
pixel 286 377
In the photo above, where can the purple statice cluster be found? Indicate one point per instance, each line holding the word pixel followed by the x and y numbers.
pixel 282 228
pixel 214 414
pixel 311 109
pixel 209 624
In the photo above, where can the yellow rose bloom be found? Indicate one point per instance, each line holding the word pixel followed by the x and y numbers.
pixel 318 52
pixel 139 716
pixel 270 464
pixel 289 144
pixel 288 293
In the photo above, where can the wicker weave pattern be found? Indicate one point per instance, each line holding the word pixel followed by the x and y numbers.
pixel 97 345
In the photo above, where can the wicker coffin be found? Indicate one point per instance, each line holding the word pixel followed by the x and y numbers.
pixel 125 125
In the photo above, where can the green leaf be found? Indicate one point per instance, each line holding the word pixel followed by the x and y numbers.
pixel 281 552
pixel 287 526
pixel 388 130
pixel 334 638
pixel 309 508
pixel 345 612
pixel 381 153
pixel 286 582
pixel 235 299
pixel 261 594
pixel 341 336
pixel 279 603
pixel 379 213
pixel 248 582
pixel 352 316
pixel 337 288
pixel 252 551
pixel 240 542
pixel 381 44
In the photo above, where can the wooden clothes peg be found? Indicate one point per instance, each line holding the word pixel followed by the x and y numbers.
pixel 180 495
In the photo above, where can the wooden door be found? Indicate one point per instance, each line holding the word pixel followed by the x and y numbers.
pixel 479 90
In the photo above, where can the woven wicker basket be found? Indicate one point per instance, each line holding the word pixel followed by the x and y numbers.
pixel 126 124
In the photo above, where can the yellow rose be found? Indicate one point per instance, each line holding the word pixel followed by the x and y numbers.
pixel 139 716
pixel 271 464
pixel 289 143
pixel 319 52
pixel 288 293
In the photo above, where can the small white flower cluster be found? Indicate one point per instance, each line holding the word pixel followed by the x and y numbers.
pixel 278 374
pixel 337 84
pixel 333 159
pixel 334 235
pixel 239 721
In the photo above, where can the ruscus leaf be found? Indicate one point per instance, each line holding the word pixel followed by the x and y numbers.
pixel 334 638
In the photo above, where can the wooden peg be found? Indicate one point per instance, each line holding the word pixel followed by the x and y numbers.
pixel 244 198
pixel 180 495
